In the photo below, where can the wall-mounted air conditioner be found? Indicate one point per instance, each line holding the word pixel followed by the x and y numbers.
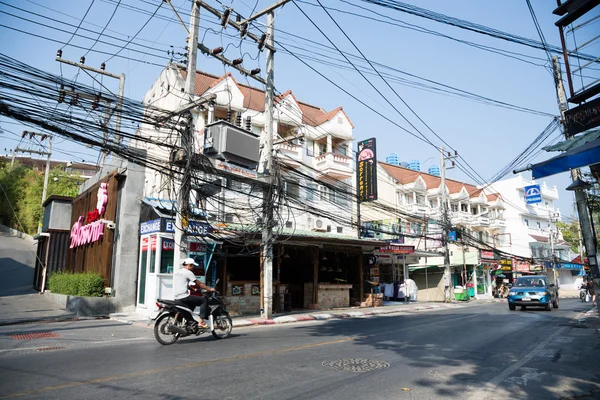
pixel 319 225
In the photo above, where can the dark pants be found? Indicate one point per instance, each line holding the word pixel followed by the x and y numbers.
pixel 195 301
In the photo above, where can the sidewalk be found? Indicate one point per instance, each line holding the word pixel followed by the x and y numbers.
pixel 312 315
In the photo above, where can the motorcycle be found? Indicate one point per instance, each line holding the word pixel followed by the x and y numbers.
pixel 175 320
pixel 583 293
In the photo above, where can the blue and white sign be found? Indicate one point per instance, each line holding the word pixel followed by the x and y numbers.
pixel 533 194
pixel 194 228
pixel 150 227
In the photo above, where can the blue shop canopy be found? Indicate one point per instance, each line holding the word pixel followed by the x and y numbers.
pixel 581 156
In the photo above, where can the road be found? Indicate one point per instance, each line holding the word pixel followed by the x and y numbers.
pixel 480 351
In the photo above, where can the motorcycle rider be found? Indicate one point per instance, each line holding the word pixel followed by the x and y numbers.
pixel 182 279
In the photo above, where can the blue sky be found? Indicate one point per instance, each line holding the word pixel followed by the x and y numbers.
pixel 486 136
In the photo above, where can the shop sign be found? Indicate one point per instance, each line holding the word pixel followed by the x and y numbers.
pixel 397 249
pixel 168 244
pixel 569 266
pixel 522 266
pixel 197 247
pixel 234 169
pixel 583 117
pixel 341 247
pixel 366 160
pixel 533 194
pixel 506 265
pixel 488 255
pixel 536 268
pixel 150 227
pixel 194 228
pixel 93 230
pixel 152 243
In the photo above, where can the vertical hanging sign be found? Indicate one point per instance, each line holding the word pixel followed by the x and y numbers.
pixel 366 170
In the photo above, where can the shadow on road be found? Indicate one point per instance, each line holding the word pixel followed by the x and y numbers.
pixel 460 352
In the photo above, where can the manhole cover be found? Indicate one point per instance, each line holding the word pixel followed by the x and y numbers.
pixel 356 364
pixel 35 335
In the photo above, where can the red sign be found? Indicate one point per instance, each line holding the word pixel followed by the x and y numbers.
pixel 397 249
pixel 489 255
pixel 522 266
pixel 197 247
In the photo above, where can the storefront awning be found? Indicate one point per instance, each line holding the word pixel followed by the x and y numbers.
pixel 418 267
pixel 576 157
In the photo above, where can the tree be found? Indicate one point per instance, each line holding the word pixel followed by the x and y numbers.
pixel 570 233
pixel 21 194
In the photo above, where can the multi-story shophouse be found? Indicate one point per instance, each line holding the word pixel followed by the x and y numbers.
pixel 318 256
pixel 409 215
pixel 531 231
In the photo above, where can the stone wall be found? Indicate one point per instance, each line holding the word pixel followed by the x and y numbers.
pixel 247 303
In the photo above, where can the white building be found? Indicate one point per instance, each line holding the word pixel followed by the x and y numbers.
pixel 317 245
pixel 531 229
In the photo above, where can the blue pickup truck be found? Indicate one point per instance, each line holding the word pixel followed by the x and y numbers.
pixel 533 291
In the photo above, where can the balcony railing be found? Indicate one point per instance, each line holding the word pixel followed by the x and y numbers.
pixel 497 223
pixel 290 153
pixel 460 218
pixel 336 165
pixel 480 221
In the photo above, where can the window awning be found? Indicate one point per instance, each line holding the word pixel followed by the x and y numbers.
pixel 576 157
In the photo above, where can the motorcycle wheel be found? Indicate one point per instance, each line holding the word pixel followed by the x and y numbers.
pixel 161 332
pixel 223 327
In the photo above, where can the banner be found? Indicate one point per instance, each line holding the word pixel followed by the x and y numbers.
pixel 366 170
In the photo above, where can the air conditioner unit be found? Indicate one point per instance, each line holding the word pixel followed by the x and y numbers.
pixel 228 142
pixel 319 225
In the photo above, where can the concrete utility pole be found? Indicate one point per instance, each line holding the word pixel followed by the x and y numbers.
pixel 267 234
pixel 119 107
pixel 580 196
pixel 187 141
pixel 445 226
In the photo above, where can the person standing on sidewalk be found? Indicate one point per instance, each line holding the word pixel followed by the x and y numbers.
pixel 182 280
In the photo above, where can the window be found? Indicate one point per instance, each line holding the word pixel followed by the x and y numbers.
pixel 526 221
pixel 311 188
pixel 324 192
pixel 328 228
pixel 539 225
pixel 454 207
pixel 167 256
pixel 340 229
pixel 420 199
pixel 228 217
pixel 310 148
pixel 292 190
pixel 289 224
pixel 464 208
pixel 340 120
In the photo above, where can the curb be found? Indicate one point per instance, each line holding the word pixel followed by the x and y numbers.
pixel 49 320
pixel 321 316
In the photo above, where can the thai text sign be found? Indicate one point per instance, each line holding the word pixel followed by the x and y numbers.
pixel 397 249
pixel 506 265
pixel 366 170
pixel 583 117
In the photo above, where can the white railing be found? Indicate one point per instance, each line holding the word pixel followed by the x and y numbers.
pixel 331 161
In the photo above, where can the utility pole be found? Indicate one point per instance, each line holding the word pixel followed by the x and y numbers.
pixel 267 234
pixel 47 153
pixel 445 224
pixel 580 196
pixel 187 142
pixel 119 107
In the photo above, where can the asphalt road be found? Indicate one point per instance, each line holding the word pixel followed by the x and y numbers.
pixel 476 352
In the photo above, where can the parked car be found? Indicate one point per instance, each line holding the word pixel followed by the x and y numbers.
pixel 533 291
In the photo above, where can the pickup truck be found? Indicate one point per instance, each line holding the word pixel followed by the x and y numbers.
pixel 533 291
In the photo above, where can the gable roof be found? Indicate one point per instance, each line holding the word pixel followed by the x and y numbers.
pixel 405 176
pixel 254 98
